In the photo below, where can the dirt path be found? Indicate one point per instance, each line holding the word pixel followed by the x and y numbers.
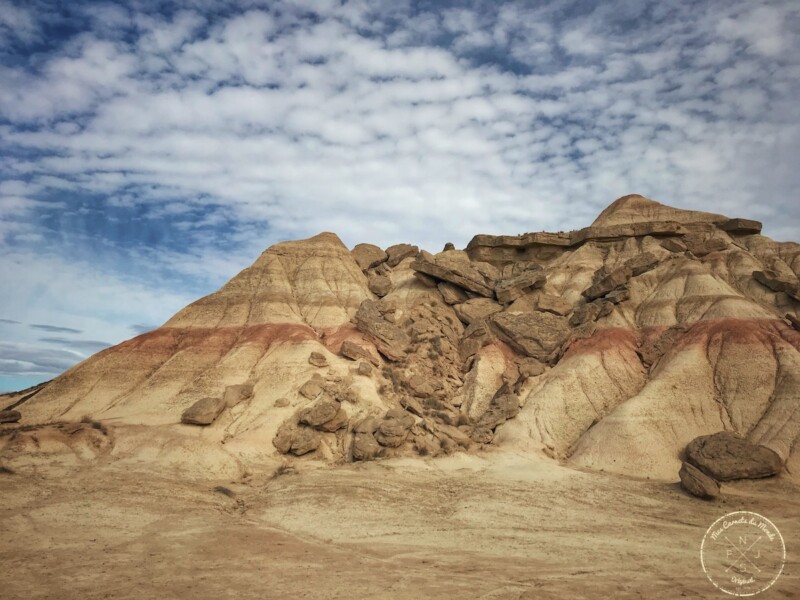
pixel 462 527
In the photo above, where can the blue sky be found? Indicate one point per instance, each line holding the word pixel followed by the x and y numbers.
pixel 151 150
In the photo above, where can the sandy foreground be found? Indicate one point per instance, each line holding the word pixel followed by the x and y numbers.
pixel 498 526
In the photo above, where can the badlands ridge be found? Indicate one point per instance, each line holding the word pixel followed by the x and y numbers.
pixel 609 348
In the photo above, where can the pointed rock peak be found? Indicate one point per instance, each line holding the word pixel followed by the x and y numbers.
pixel 634 208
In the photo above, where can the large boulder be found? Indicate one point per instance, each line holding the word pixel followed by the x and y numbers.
pixel 368 256
pixel 697 483
pixel 476 309
pixel 455 267
pixel 508 290
pixel 203 412
pixel 322 411
pixel 297 440
pixel 234 394
pixel 355 351
pixel 389 339
pixel 366 447
pixel 537 334
pixel 9 416
pixel 399 252
pixel 726 456
pixel 778 282
pixel 380 285
pixel 452 294
pixel 393 429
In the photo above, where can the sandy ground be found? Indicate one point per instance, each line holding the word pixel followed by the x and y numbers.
pixel 496 527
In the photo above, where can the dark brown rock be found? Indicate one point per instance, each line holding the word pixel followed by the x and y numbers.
pixel 368 256
pixel 234 394
pixel 364 369
pixel 336 423
pixel 449 246
pixel 366 447
pixel 776 282
pixel 320 412
pixel 740 226
pixel 203 412
pixel 726 456
pixel 317 359
pixel 399 252
pixel 393 429
pixel 9 416
pixel 297 440
pixel 553 304
pixel 508 290
pixel 673 245
pixel 504 406
pixel 475 309
pixel 697 483
pixel 380 285
pixel 700 245
pixel 355 351
pixel 537 334
pixel 455 267
pixel 389 339
pixel 452 294
pixel 312 388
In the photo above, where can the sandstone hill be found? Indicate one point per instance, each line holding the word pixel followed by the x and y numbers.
pixel 608 348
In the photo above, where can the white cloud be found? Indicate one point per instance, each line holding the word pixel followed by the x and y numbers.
pixel 232 132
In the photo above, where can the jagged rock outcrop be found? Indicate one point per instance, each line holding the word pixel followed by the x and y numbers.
pixel 609 348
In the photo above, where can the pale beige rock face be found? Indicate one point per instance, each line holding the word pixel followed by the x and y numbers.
pixel 687 342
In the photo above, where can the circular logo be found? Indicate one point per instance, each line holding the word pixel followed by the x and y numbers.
pixel 742 553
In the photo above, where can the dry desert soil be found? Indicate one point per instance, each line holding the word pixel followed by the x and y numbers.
pixel 497 526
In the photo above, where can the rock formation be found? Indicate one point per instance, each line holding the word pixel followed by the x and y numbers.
pixel 609 348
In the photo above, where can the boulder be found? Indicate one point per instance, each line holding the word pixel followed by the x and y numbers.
pixel 9 416
pixel 380 285
pixel 740 226
pixel 777 282
pixel 452 294
pixel 393 429
pixel 312 388
pixel 412 405
pixel 697 483
pixel 317 359
pixel 364 369
pixel 726 456
pixel 537 335
pixel 609 283
pixel 673 245
pixel 389 339
pixel 477 335
pixel 355 351
pixel 504 406
pixel 281 403
pixel 455 267
pixel 449 246
pixel 399 252
pixel 368 256
pixel 700 245
pixel 297 440
pixel 320 412
pixel 237 393
pixel 508 290
pixel 336 423
pixel 367 425
pixel 366 447
pixel 589 312
pixel 475 309
pixel 203 412
pixel 554 304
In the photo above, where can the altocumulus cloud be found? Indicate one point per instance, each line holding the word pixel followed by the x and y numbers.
pixel 150 150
